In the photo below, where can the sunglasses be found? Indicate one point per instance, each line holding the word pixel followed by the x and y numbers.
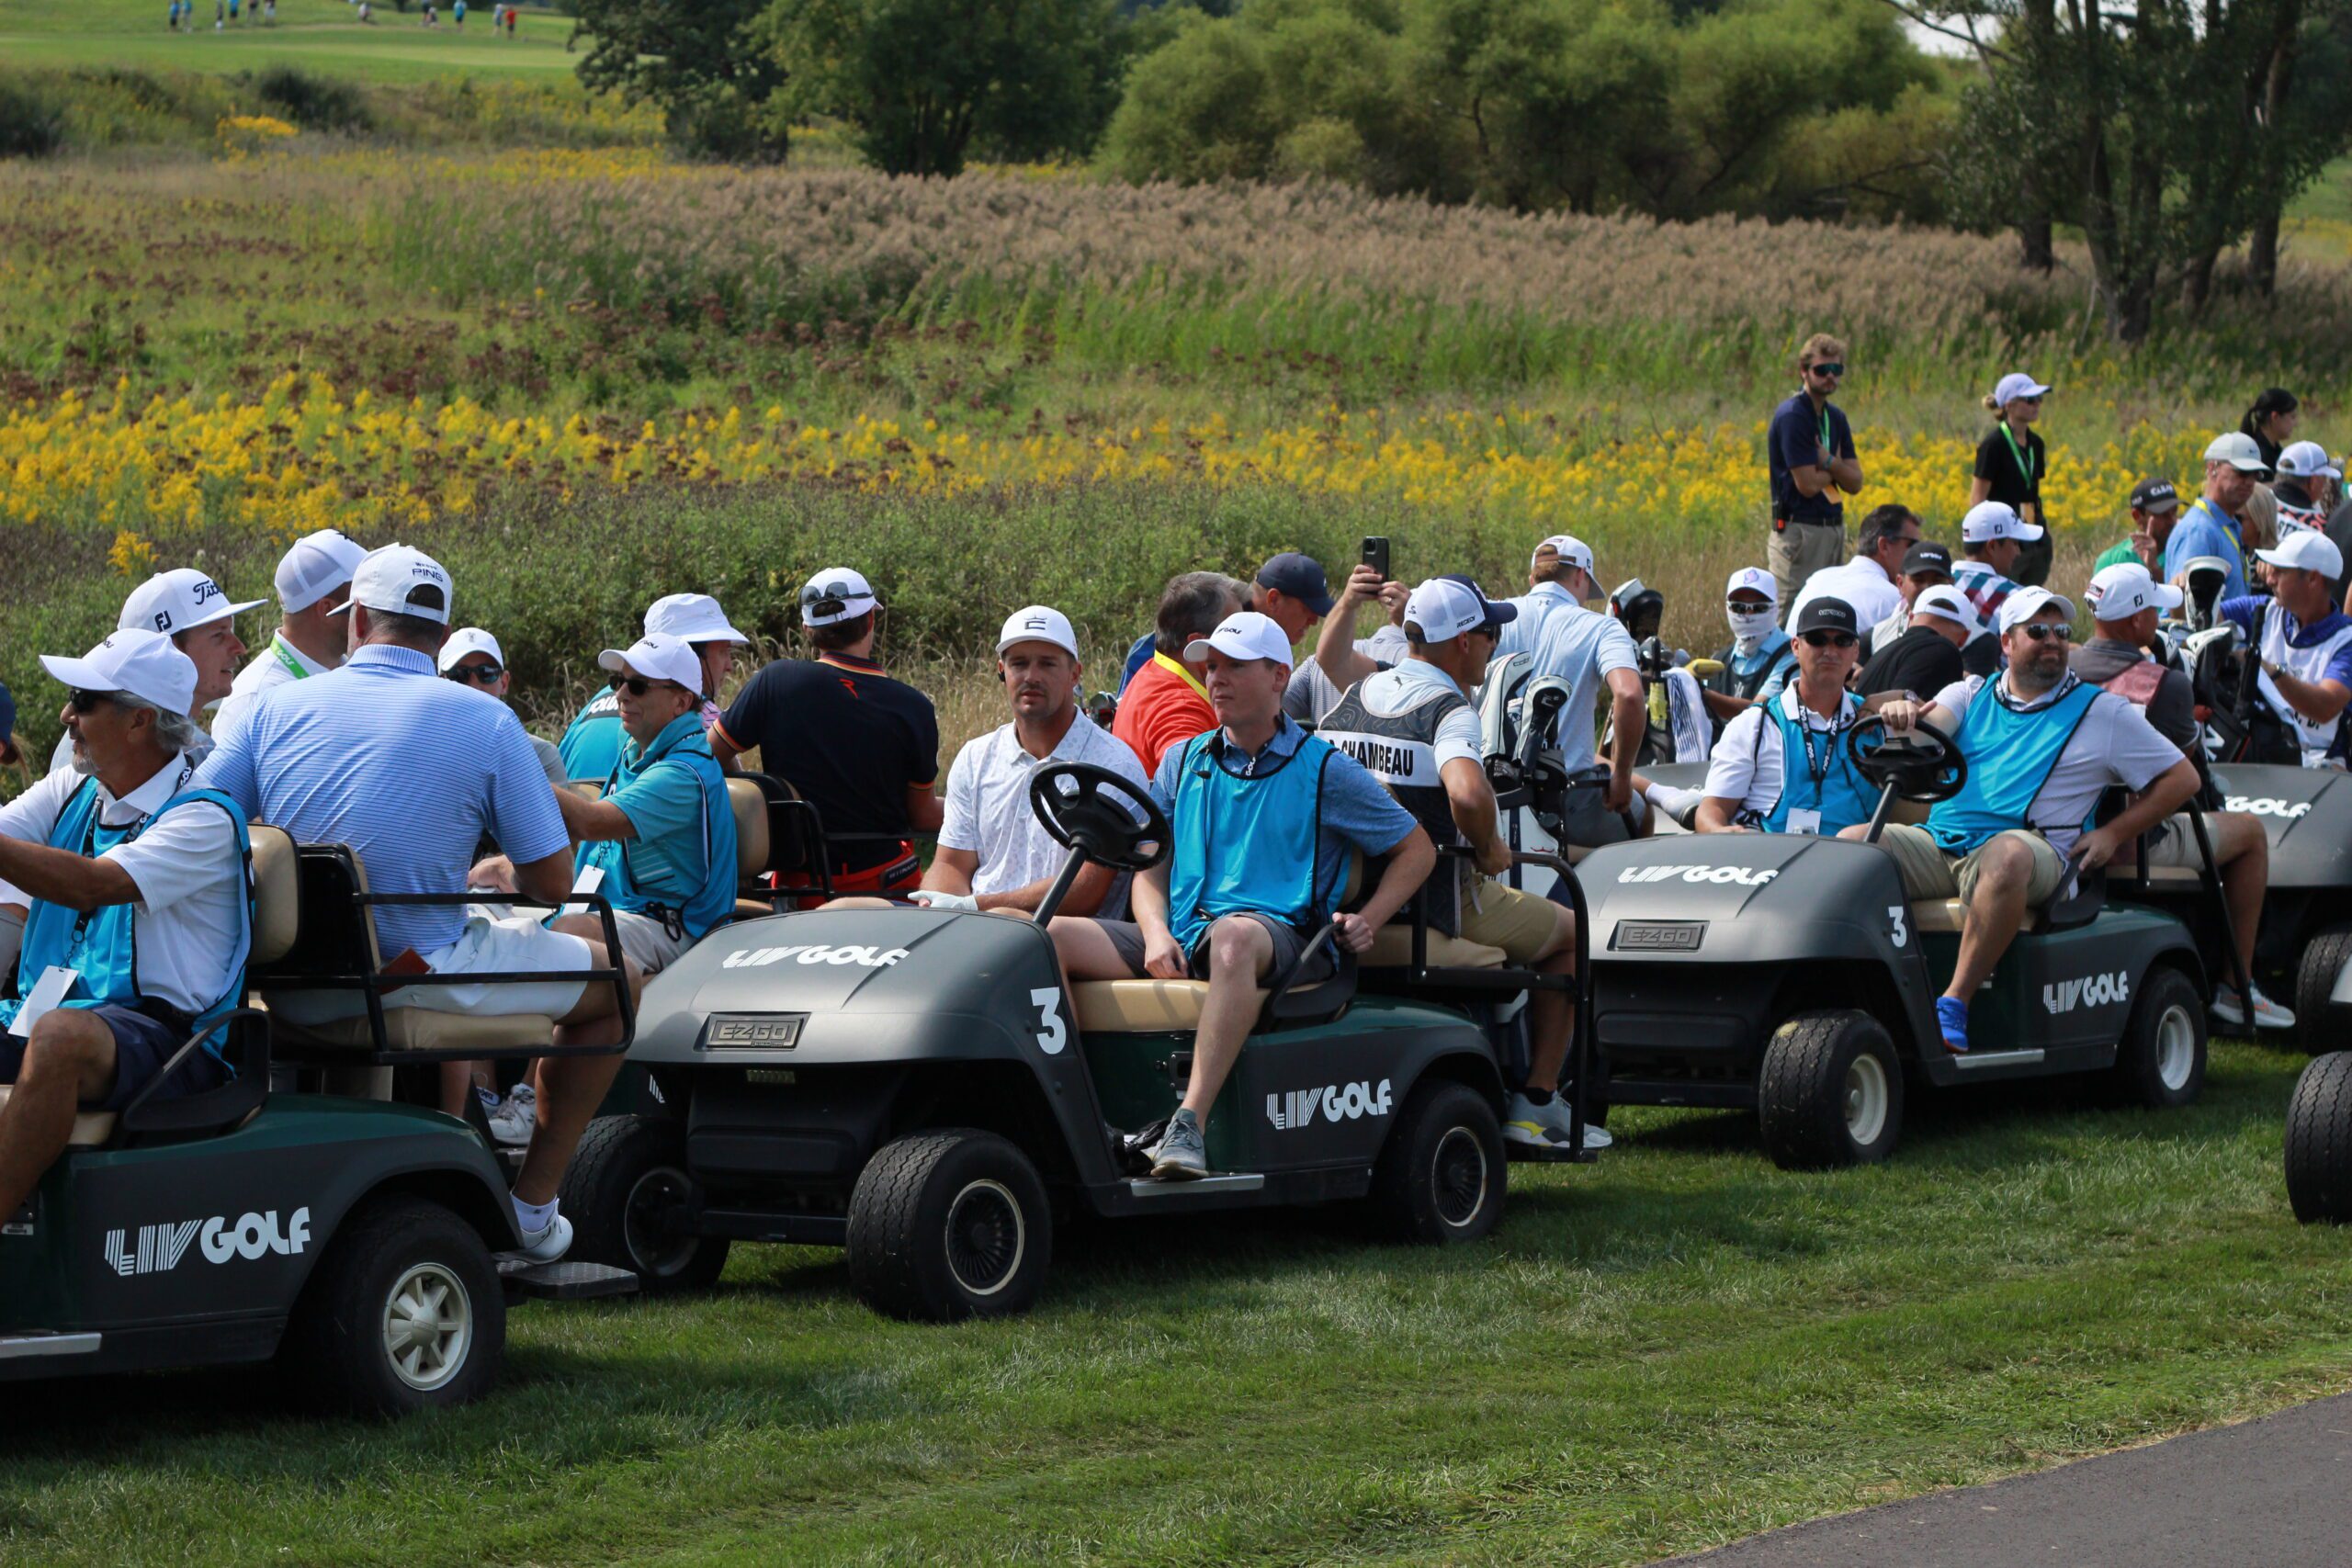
pixel 1830 639
pixel 467 674
pixel 86 702
pixel 1830 367
pixel 2042 631
pixel 637 686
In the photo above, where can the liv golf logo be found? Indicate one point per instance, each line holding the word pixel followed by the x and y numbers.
pixel 159 1248
pixel 2092 990
pixel 1297 1108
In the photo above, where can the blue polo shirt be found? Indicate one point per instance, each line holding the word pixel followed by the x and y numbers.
pixel 1356 810
pixel 1536 607
pixel 669 861
pixel 2204 530
pixel 1793 440
pixel 408 770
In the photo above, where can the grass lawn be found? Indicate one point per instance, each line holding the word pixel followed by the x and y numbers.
pixel 1677 1346
pixel 319 35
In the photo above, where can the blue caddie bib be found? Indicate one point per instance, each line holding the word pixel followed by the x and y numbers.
pixel 1246 845
pixel 1817 771
pixel 2011 753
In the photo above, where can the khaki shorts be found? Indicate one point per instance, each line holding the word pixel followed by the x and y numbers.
pixel 1929 872
pixel 1799 550
pixel 1519 922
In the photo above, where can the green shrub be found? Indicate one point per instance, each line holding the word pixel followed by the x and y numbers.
pixel 315 103
pixel 31 124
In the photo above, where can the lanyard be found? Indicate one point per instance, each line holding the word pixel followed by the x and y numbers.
pixel 1828 446
pixel 286 656
pixel 90 844
pixel 1183 674
pixel 2024 458
pixel 1817 767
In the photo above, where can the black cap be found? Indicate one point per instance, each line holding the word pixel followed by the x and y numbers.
pixel 1299 576
pixel 1827 614
pixel 1924 556
pixel 2154 495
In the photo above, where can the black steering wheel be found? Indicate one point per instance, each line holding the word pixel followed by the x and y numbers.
pixel 1923 764
pixel 1070 801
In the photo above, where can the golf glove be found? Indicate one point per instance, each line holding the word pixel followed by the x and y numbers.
pixel 955 903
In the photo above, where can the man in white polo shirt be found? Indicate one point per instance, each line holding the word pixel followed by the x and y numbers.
pixel 313 579
pixel 197 614
pixel 594 741
pixel 139 896
pixel 411 770
pixel 472 658
pixel 993 852
pixel 1559 577
pixel 1867 581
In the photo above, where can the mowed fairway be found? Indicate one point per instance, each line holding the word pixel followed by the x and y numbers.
pixel 1676 1346
pixel 320 35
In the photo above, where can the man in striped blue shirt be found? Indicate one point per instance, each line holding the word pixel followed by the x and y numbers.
pixel 411 770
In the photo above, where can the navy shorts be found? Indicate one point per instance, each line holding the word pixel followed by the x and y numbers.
pixel 1128 938
pixel 141 1047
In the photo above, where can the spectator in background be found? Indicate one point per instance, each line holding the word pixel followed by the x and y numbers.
pixel 2305 474
pixel 2010 463
pixel 1990 536
pixel 1809 457
pixel 1312 693
pixel 1166 704
pixel 1760 658
pixel 1289 589
pixel 593 743
pixel 2155 507
pixel 2234 465
pixel 2271 423
pixel 314 579
pixel 196 613
pixel 1559 576
pixel 1927 657
pixel 1868 583
pixel 471 657
pixel 1925 566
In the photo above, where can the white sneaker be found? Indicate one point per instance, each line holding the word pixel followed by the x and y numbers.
pixel 2267 1014
pixel 1546 1126
pixel 512 1123
pixel 548 1243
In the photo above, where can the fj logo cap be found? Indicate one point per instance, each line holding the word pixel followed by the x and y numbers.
pixel 176 602
pixel 140 663
pixel 2122 590
pixel 1038 623
pixel 401 580
pixel 468 640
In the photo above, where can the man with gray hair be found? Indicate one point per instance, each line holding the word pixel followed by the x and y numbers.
pixel 142 915
pixel 1166 704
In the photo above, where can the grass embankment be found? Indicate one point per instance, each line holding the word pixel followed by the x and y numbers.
pixel 320 35
pixel 1674 1348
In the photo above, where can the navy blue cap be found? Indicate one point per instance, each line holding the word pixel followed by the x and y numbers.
pixel 1299 576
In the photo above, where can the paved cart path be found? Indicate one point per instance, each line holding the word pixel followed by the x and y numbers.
pixel 2275 1493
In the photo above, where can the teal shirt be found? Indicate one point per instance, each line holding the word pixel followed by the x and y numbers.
pixel 664 803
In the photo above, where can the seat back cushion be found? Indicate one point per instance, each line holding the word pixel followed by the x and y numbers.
pixel 750 828
pixel 278 895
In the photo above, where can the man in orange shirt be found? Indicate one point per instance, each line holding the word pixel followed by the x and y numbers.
pixel 1165 705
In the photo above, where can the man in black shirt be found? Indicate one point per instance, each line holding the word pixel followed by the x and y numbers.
pixel 1926 658
pixel 862 748
pixel 1809 457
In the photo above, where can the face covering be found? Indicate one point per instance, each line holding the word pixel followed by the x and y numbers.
pixel 1749 626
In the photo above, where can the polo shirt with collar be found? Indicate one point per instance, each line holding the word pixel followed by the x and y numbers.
pixel 190 876
pixel 279 664
pixel 1862 582
pixel 408 770
pixel 1537 605
pixel 1746 764
pixel 988 812
pixel 1162 707
pixel 2205 530
pixel 2113 744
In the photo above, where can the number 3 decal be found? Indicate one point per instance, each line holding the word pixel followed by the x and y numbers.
pixel 1056 1034
pixel 1895 912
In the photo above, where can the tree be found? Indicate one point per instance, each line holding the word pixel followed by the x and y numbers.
pixel 701 62
pixel 922 82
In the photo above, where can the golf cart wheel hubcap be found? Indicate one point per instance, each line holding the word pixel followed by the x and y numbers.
pixel 987 1236
pixel 657 1244
pixel 1866 1098
pixel 2175 1048
pixel 1458 1176
pixel 428 1326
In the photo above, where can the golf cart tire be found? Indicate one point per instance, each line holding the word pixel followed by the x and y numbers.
pixel 2165 1038
pixel 1812 1072
pixel 947 1225
pixel 2319 1141
pixel 394 1252
pixel 1442 1175
pixel 2324 958
pixel 625 1166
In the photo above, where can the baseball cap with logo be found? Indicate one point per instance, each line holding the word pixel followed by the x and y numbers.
pixel 1754 580
pixel 177 602
pixel 1922 559
pixel 314 565
pixel 2305 549
pixel 2237 449
pixel 2306 459
pixel 2154 495
pixel 657 656
pixel 1445 607
pixel 1949 602
pixel 1245 633
pixel 468 640
pixel 401 580
pixel 1038 623
pixel 836 593
pixel 2016 384
pixel 143 664
pixel 2027 603
pixel 1824 612
pixel 1990 520
pixel 691 617
pixel 1571 551
pixel 1299 576
pixel 2120 591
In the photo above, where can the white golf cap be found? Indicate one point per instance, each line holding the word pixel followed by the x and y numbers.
pixel 1949 602
pixel 401 580
pixel 314 565
pixel 1245 633
pixel 2306 459
pixel 177 602
pixel 143 663
pixel 2305 549
pixel 2120 591
pixel 836 593
pixel 1989 520
pixel 2015 385
pixel 1754 580
pixel 657 656
pixel 468 640
pixel 691 617
pixel 2237 449
pixel 1571 550
pixel 1038 623
pixel 2027 603
pixel 1445 607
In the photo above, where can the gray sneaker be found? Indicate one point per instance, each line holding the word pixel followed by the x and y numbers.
pixel 1180 1157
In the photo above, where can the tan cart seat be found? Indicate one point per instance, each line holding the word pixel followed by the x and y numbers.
pixel 750 828
pixel 1945 915
pixel 1392 948
pixel 1141 1007
pixel 91 1129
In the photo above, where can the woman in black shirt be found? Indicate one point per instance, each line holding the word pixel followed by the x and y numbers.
pixel 2011 462
pixel 2271 422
